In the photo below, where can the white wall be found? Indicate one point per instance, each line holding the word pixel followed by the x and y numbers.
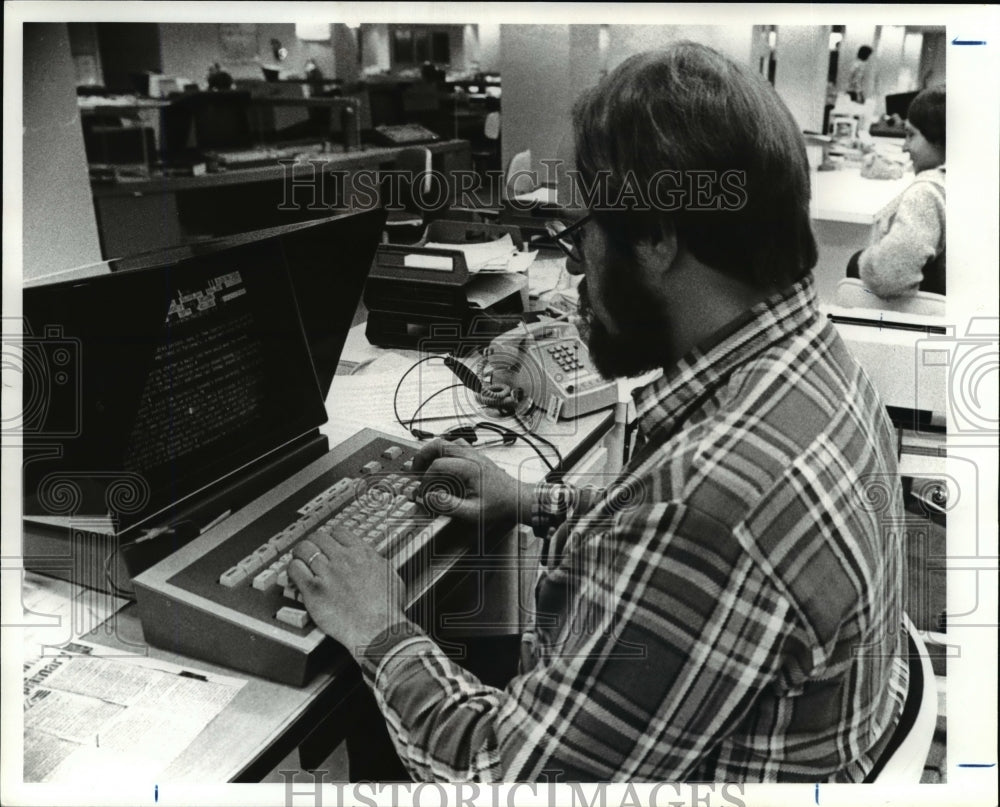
pixel 889 61
pixel 546 67
pixel 538 90
pixel 489 47
pixel 932 59
pixel 625 40
pixel 59 228
pixel 803 53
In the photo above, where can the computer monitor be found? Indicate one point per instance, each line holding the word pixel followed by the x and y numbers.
pixel 157 382
pixel 119 145
pixel 899 103
pixel 200 121
pixel 328 260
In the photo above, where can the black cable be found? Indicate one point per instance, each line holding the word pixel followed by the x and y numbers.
pixel 543 440
pixel 503 431
pixel 395 395
pixel 427 400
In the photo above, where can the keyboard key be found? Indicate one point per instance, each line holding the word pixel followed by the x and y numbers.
pixel 251 565
pixel 392 453
pixel 266 553
pixel 282 579
pixel 406 509
pixel 408 465
pixel 282 541
pixel 372 467
pixel 264 580
pixel 292 616
pixel 341 487
pixel 233 577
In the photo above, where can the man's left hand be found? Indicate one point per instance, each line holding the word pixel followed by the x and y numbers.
pixel 351 592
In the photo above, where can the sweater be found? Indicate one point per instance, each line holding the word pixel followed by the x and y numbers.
pixel 909 233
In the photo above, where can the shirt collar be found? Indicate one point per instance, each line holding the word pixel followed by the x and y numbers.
pixel 668 400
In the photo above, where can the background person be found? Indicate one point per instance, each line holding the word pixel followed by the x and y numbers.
pixel 858 76
pixel 908 251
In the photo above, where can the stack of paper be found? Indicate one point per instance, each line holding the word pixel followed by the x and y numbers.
pixel 492 256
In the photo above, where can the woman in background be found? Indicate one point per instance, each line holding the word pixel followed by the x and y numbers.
pixel 856 78
pixel 908 252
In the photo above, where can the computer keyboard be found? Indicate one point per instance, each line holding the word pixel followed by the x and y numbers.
pixel 227 596
pixel 386 516
pixel 255 158
pixel 404 134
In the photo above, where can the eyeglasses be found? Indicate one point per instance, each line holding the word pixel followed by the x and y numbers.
pixel 568 237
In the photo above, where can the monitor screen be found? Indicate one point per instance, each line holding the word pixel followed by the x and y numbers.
pixel 328 261
pixel 170 378
pixel 899 103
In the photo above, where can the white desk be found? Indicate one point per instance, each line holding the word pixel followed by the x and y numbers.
pixel 844 208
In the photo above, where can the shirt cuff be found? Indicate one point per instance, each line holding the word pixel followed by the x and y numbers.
pixel 389 644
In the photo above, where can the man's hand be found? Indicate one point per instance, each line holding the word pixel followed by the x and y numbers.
pixel 351 592
pixel 460 482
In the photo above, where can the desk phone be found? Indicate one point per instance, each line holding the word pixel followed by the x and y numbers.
pixel 548 363
pixel 226 597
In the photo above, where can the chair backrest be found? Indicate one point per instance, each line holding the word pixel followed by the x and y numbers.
pixel 518 180
pixel 906 763
pixel 852 293
pixel 491 126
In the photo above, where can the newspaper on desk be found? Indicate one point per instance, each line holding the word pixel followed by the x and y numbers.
pixel 91 710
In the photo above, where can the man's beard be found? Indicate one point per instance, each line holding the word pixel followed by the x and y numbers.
pixel 637 347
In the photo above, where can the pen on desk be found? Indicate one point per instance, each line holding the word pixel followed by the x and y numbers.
pixel 194 675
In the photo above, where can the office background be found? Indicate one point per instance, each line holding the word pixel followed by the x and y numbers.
pixel 543 68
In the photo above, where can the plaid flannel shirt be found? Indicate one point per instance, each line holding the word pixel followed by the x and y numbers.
pixel 728 610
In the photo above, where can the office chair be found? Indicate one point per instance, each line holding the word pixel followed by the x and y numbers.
pixel 904 759
pixel 407 226
pixel 487 152
pixel 852 293
pixel 517 180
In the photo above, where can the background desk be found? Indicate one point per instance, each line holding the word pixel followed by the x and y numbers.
pixel 137 216
pixel 844 209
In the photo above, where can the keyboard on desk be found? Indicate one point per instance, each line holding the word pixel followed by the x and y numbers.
pixel 258 157
pixel 227 597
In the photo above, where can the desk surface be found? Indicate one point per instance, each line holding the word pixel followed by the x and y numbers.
pixel 256 730
pixel 366 156
pixel 844 195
